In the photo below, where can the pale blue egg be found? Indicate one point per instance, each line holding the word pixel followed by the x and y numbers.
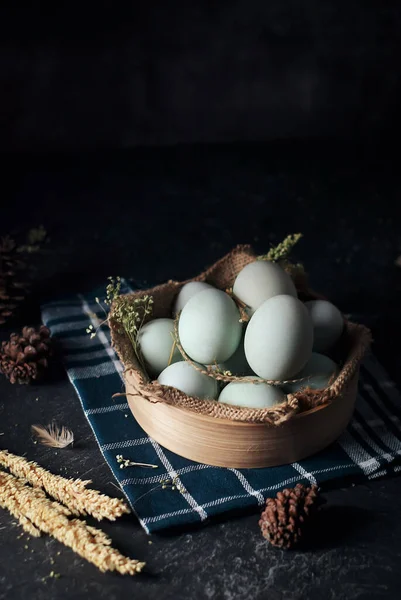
pixel 251 395
pixel 182 376
pixel 155 343
pixel 279 338
pixel 319 370
pixel 261 280
pixel 187 292
pixel 328 324
pixel 209 327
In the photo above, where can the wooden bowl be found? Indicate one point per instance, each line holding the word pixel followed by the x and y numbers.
pixel 225 443
pixel 219 434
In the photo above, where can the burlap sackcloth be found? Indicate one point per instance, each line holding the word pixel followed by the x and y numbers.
pixel 353 345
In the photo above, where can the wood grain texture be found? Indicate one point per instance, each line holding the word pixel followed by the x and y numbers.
pixel 234 444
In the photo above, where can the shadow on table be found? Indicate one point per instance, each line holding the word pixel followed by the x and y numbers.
pixel 332 526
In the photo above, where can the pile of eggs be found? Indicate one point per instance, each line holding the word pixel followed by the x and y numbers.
pixel 284 339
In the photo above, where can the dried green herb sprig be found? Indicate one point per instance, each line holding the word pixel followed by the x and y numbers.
pixel 216 368
pixel 129 313
pixel 125 311
pixel 283 249
pixel 112 290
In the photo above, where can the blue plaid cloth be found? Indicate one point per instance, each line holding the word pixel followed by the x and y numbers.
pixel 368 449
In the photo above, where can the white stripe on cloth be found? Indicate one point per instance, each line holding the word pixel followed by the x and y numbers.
pixel 378 474
pixel 71 326
pixel 382 432
pixel 334 468
pixel 370 441
pixel 158 478
pixel 107 409
pixel 378 425
pixel 305 473
pixel 68 310
pixel 83 357
pixel 126 444
pixel 92 371
pixel 378 405
pixel 385 385
pixel 374 422
pixel 174 476
pixel 61 312
pixel 61 304
pixel 388 438
pixel 175 513
pixel 79 342
pixel 247 486
pixel 361 458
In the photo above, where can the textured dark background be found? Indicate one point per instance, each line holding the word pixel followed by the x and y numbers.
pixel 317 85
pixel 145 73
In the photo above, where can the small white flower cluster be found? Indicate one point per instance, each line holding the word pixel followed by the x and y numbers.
pixel 125 462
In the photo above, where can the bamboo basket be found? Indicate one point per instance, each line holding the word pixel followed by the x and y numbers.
pixel 214 433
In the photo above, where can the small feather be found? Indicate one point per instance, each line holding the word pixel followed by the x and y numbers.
pixel 53 435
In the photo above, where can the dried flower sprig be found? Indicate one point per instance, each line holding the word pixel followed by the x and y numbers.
pixel 113 290
pixel 130 314
pixel 73 493
pixel 125 463
pixel 216 368
pixel 283 249
pixel 165 484
pixel 173 484
pixel 36 514
pixel 53 435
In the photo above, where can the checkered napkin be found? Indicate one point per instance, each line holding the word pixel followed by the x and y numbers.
pixel 368 449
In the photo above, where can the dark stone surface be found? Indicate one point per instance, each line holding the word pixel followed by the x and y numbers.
pixel 158 73
pixel 167 214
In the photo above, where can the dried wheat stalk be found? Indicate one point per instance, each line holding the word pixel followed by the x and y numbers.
pixel 37 513
pixel 70 492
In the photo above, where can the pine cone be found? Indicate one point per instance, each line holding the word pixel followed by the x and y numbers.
pixel 283 520
pixel 25 357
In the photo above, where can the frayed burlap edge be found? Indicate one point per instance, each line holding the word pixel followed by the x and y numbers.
pixel 355 342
